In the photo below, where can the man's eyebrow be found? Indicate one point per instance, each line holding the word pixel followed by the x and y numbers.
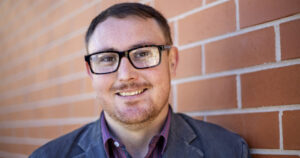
pixel 141 44
pixel 107 50
pixel 131 47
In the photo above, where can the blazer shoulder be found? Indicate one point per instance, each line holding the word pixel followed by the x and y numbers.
pixel 212 137
pixel 208 129
pixel 63 145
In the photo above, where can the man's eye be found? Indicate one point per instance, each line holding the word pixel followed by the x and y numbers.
pixel 107 59
pixel 142 54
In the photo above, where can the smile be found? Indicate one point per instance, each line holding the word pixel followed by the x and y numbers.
pixel 131 93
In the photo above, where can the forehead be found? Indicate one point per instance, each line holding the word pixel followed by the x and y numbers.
pixel 122 34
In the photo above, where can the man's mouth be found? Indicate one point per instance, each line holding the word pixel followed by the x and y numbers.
pixel 131 93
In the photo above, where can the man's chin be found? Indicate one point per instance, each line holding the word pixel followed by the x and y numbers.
pixel 134 116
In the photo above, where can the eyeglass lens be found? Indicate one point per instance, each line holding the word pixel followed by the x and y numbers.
pixel 140 58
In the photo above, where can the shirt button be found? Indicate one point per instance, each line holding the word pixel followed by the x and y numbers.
pixel 116 144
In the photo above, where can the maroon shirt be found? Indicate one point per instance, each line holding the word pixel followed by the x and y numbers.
pixel 115 149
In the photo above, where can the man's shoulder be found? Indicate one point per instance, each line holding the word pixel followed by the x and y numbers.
pixel 64 145
pixel 206 128
pixel 211 137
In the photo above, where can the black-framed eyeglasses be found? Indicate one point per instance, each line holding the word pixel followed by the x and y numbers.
pixel 142 57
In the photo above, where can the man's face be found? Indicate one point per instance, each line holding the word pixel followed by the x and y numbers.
pixel 130 95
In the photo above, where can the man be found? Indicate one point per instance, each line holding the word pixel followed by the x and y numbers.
pixel 131 61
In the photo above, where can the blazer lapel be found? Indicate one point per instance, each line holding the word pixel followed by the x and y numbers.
pixel 95 151
pixel 91 143
pixel 180 137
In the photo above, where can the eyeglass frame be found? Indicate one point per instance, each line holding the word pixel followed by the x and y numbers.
pixel 122 54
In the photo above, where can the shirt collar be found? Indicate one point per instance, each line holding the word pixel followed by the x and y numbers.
pixel 107 136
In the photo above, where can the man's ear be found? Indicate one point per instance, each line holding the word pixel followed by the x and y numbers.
pixel 173 60
pixel 88 70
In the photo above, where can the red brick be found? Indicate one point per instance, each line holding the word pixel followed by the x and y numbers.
pixel 172 30
pixel 42 76
pixel 189 63
pixel 176 7
pixel 260 130
pixel 199 118
pixel 210 22
pixel 83 19
pixel 278 86
pixel 18 148
pixel 73 45
pixel 107 3
pixel 71 88
pixel 274 156
pixel 12 100
pixel 5 9
pixel 26 17
pixel 21 115
pixel 210 1
pixel 253 48
pixel 69 128
pixel 46 93
pixel 42 7
pixel 77 64
pixel 51 54
pixel 66 8
pixel 290 37
pixel 88 87
pixel 84 108
pixel 16 10
pixel 30 16
pixel 50 132
pixel 33 132
pixel 68 47
pixel 210 94
pixel 291 128
pixel 19 132
pixel 33 63
pixel 58 111
pixel 253 12
pixel 5 132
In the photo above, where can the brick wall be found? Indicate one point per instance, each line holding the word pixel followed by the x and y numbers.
pixel 239 67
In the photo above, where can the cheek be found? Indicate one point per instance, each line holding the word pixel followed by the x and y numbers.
pixel 102 83
pixel 160 75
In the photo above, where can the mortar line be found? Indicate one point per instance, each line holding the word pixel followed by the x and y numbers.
pixel 176 36
pixel 240 32
pixel 12 155
pixel 275 152
pixel 193 11
pixel 49 10
pixel 203 65
pixel 237 15
pixel 239 71
pixel 261 109
pixel 280 114
pixel 23 13
pixel 277 43
pixel 18 76
pixel 47 103
pixel 12 9
pixel 238 91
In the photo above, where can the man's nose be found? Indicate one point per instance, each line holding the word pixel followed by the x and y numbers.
pixel 126 71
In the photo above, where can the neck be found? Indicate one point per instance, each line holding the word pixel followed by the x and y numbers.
pixel 137 137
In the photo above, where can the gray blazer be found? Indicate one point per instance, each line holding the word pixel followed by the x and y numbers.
pixel 188 138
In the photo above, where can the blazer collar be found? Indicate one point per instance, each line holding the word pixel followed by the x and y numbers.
pixel 179 143
pixel 180 140
pixel 91 142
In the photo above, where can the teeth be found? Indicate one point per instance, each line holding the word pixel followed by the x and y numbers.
pixel 130 93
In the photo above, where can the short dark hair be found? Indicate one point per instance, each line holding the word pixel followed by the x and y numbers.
pixel 122 10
